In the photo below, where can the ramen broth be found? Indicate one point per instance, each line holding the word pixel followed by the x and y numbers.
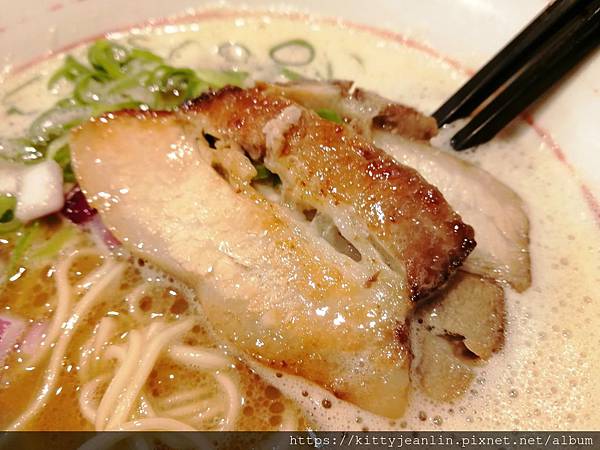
pixel 543 378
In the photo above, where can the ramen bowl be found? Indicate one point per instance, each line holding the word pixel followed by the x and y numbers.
pixel 416 53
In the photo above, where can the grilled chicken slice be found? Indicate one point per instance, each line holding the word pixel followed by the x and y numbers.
pixel 362 109
pixel 496 212
pixel 373 200
pixel 441 372
pixel 268 285
pixel 458 329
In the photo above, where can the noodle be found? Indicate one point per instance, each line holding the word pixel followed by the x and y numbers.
pixel 234 396
pixel 141 365
pixel 86 397
pixel 113 271
pixel 188 410
pixel 111 395
pixel 119 381
pixel 133 298
pixel 99 339
pixel 198 358
pixel 182 397
pixel 63 305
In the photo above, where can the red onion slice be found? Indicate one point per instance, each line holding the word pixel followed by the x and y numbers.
pixel 33 338
pixel 99 230
pixel 11 330
pixel 77 209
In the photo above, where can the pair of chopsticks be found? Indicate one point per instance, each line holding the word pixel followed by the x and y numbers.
pixel 561 36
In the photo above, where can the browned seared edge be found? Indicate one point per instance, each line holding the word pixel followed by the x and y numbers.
pixel 408 219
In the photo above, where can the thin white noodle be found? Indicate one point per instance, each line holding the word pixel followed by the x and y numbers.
pixel 190 409
pixel 234 399
pixel 182 397
pixel 90 280
pixel 103 334
pixel 199 358
pixel 63 305
pixel 209 414
pixel 154 328
pixel 143 368
pixel 86 353
pixel 132 299
pixel 120 380
pixel 53 370
pixel 289 422
pixel 115 352
pixel 92 349
pixel 87 395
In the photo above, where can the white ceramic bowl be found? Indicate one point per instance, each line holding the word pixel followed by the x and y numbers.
pixel 467 31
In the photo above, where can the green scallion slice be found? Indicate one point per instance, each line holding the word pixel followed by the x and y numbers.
pixel 295 52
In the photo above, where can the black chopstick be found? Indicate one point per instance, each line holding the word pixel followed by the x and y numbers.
pixel 562 53
pixel 500 67
pixel 544 51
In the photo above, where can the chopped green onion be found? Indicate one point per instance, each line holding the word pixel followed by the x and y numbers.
pixel 176 85
pixel 63 157
pixel 22 246
pixel 329 114
pixel 286 53
pixel 56 243
pixel 291 74
pixel 108 58
pixel 217 79
pixel 264 174
pixel 144 55
pixel 136 80
pixel 20 150
pixel 7 208
pixel 9 227
pixel 67 103
pixel 82 91
pixel 103 108
pixel 71 70
pixel 56 121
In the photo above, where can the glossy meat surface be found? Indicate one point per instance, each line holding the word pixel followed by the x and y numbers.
pixel 270 288
pixel 495 211
pixel 334 170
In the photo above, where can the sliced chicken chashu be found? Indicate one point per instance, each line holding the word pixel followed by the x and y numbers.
pixel 454 332
pixel 495 211
pixel 373 200
pixel 492 208
pixel 362 109
pixel 267 286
